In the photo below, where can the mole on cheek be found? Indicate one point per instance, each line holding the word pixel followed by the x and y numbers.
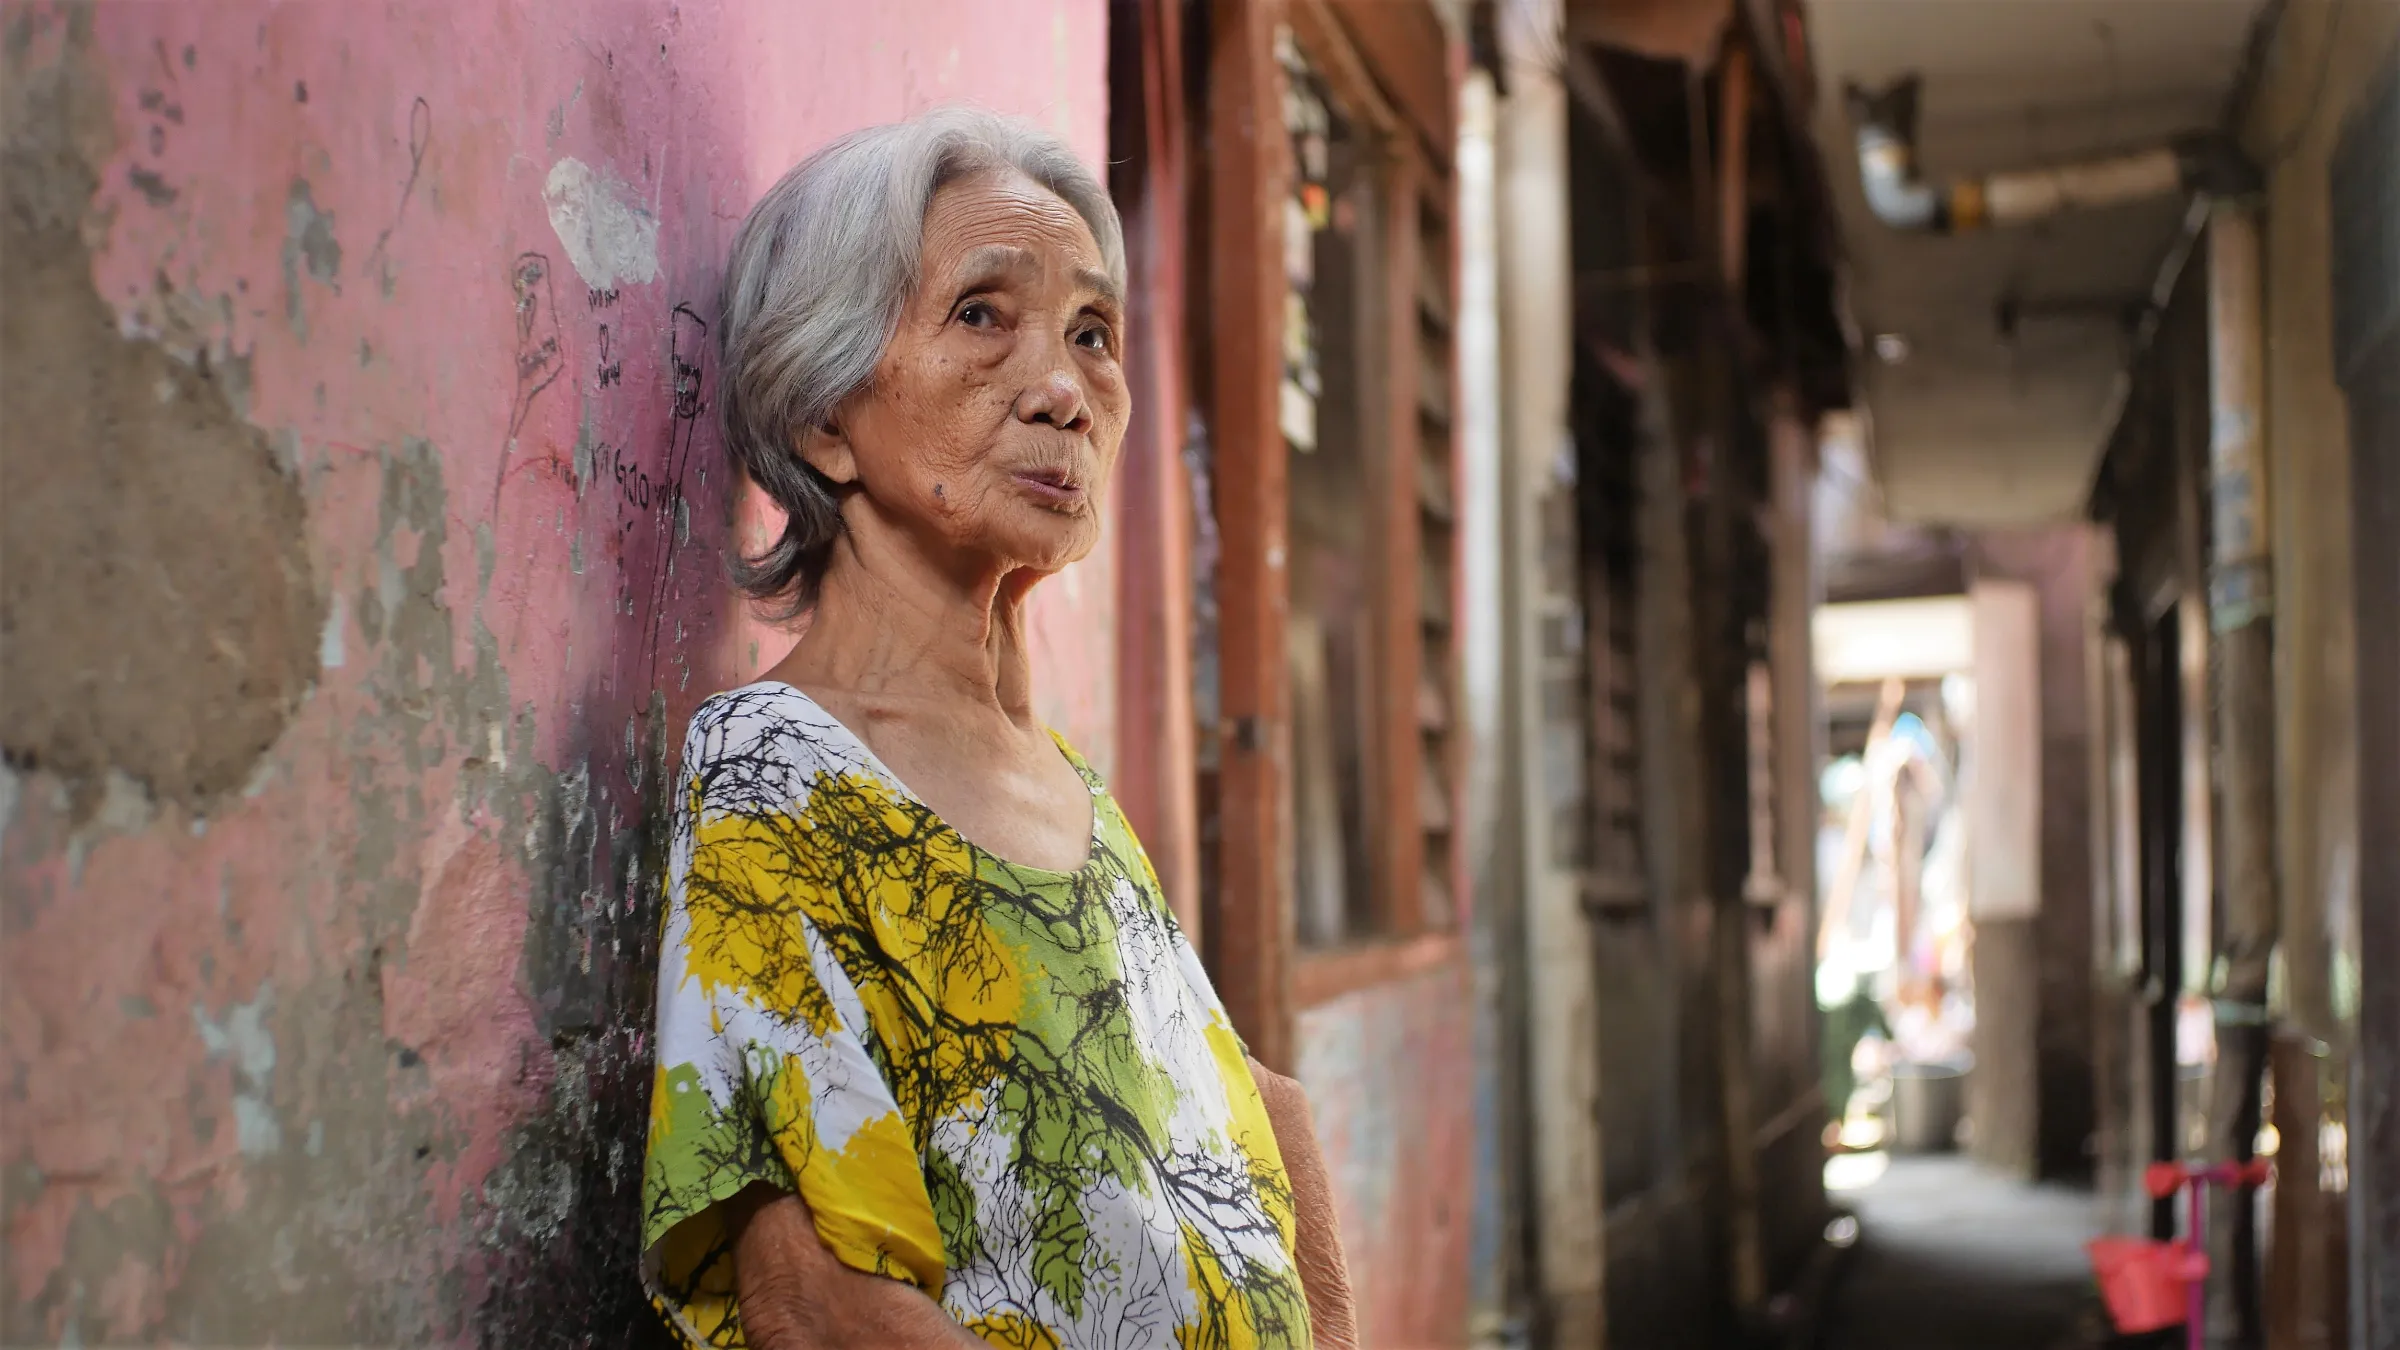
pixel 937 491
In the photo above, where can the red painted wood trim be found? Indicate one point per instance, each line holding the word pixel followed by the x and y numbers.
pixel 1157 757
pixel 1250 939
pixel 1399 626
pixel 1325 975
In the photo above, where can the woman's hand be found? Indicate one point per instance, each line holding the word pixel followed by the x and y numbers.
pixel 1324 1270
pixel 794 1295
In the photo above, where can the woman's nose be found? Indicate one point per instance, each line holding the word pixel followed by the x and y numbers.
pixel 1057 400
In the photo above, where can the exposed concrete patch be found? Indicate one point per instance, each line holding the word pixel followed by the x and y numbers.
pixel 244 1037
pixel 610 237
pixel 309 245
pixel 331 652
pixel 119 805
pixel 158 615
pixel 434 710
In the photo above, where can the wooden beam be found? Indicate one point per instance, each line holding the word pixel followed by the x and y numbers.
pixel 1250 940
pixel 1668 30
pixel 1415 63
pixel 1338 61
pixel 1733 164
pixel 1156 778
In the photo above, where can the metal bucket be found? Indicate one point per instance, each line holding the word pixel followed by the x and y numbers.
pixel 1928 1101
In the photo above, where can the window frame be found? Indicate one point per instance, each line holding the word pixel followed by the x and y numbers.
pixel 1416 763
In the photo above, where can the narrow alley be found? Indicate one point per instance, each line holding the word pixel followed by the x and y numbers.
pixel 1753 637
pixel 1952 1255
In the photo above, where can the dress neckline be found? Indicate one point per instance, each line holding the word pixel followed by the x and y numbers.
pixel 1092 849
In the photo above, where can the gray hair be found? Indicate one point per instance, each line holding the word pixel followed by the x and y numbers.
pixel 814 289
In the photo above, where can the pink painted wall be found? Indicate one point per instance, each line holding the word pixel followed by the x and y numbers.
pixel 345 1043
pixel 1392 1085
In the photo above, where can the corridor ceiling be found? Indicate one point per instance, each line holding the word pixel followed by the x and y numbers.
pixel 1969 427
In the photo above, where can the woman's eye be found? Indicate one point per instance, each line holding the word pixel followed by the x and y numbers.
pixel 978 314
pixel 1097 337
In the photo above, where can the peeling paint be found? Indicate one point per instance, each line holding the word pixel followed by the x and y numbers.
pixel 244 1038
pixel 122 807
pixel 391 868
pixel 1391 1088
pixel 160 514
pixel 611 239
pixel 331 653
pixel 309 245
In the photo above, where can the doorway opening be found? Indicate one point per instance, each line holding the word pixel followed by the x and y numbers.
pixel 1894 958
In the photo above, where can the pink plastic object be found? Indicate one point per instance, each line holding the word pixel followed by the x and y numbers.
pixel 2142 1279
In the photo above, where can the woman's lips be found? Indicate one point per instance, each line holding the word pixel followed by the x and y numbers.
pixel 1051 487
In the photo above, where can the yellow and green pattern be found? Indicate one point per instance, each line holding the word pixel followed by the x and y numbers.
pixel 1009 1087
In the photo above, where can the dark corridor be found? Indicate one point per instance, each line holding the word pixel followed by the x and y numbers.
pixel 1954 1257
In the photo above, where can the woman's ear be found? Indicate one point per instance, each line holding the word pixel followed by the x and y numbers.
pixel 827 450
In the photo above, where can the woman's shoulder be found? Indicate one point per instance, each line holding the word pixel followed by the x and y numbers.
pixel 757 708
pixel 764 740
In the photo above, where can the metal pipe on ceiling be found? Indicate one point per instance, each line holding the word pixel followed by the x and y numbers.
pixel 2206 163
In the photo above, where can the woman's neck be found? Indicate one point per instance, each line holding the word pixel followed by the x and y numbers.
pixel 892 621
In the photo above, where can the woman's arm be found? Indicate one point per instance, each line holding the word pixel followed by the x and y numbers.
pixel 1324 1270
pixel 794 1295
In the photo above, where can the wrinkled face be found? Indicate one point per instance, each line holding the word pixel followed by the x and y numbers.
pixel 996 413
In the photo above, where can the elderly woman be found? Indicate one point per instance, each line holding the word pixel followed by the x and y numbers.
pixel 936 1066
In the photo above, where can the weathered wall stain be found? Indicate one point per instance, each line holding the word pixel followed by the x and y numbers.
pixel 1391 1086
pixel 158 607
pixel 242 1036
pixel 328 987
pixel 309 248
pixel 611 238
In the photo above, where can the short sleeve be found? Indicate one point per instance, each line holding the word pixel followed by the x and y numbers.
pixel 763 1071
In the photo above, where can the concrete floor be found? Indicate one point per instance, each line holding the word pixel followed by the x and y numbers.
pixel 1951 1257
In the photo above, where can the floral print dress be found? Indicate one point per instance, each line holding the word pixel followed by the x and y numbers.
pixel 1012 1088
